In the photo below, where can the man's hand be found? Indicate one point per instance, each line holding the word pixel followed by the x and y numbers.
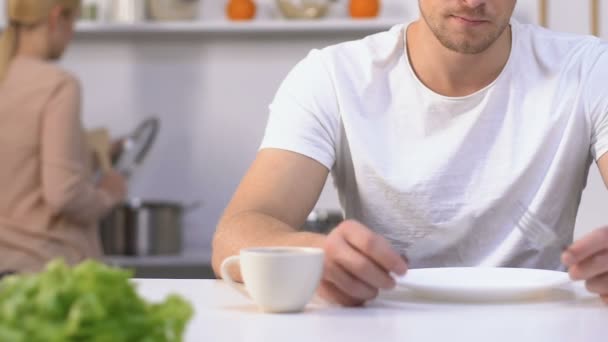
pixel 358 263
pixel 587 259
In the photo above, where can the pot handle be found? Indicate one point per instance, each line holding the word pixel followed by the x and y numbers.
pixel 193 206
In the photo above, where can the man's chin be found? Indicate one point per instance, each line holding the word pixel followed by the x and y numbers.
pixel 466 48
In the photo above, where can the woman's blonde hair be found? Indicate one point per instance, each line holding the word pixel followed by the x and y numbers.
pixel 25 13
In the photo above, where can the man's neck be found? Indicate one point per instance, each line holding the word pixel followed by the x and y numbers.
pixel 450 73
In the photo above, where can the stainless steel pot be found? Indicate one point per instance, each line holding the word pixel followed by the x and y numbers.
pixel 143 228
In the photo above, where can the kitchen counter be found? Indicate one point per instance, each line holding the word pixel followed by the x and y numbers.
pixel 189 265
pixel 222 314
pixel 189 258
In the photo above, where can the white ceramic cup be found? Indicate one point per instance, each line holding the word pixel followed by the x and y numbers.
pixel 278 279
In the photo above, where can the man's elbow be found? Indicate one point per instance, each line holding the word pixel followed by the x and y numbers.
pixel 217 246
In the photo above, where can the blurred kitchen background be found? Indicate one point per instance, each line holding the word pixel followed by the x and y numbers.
pixel 209 80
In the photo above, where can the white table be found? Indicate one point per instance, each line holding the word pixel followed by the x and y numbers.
pixel 222 315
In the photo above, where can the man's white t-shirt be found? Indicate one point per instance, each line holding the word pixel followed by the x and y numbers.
pixel 412 164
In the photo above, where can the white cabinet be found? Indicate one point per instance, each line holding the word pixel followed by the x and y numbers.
pixel 527 11
pixel 570 16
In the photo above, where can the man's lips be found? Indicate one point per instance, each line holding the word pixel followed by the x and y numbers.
pixel 469 21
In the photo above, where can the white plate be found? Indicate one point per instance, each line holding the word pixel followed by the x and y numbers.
pixel 481 284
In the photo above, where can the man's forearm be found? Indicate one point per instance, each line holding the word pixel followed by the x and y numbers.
pixel 253 229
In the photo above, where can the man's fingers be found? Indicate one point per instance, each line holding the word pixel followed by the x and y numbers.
pixel 598 284
pixel 364 269
pixel 348 284
pixel 375 247
pixel 590 267
pixel 330 292
pixel 358 264
pixel 587 246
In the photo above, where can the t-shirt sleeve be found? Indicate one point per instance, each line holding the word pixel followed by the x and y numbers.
pixel 598 103
pixel 304 116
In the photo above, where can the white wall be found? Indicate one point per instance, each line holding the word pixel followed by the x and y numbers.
pixel 212 92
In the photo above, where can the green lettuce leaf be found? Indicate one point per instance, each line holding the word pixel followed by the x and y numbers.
pixel 90 302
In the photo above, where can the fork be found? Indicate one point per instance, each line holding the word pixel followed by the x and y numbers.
pixel 537 232
pixel 533 228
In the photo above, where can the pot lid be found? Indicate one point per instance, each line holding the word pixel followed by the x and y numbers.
pixel 136 146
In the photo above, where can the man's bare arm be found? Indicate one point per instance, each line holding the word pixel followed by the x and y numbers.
pixel 271 203
pixel 603 166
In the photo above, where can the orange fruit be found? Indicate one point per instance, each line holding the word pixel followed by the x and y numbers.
pixel 364 8
pixel 241 9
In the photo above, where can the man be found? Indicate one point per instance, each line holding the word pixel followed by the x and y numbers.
pixel 439 128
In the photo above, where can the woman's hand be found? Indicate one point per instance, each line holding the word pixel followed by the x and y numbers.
pixel 116 149
pixel 115 184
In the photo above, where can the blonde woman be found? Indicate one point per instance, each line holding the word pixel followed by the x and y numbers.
pixel 49 206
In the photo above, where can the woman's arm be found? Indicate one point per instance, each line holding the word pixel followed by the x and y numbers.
pixel 66 185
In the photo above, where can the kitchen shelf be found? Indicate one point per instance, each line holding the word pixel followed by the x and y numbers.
pixel 280 26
